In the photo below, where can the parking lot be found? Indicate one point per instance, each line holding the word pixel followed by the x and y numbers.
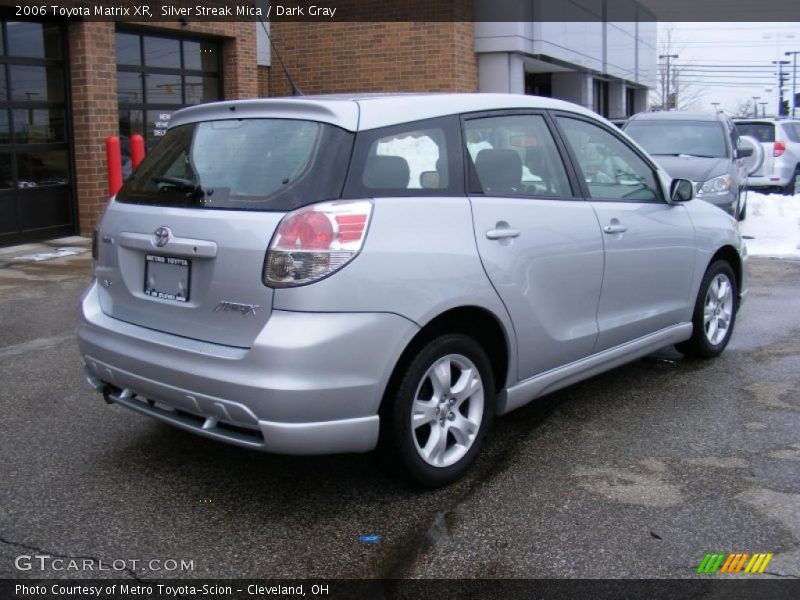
pixel 636 473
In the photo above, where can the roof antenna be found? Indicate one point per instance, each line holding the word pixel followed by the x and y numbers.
pixel 295 90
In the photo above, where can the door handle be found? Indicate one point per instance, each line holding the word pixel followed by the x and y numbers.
pixel 615 228
pixel 499 234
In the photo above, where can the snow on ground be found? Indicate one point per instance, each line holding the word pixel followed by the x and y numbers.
pixel 772 225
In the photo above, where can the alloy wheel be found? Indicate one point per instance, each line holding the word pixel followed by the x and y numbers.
pixel 447 411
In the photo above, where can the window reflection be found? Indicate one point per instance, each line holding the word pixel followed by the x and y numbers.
pixel 34 40
pixel 38 125
pixel 163 89
pixel 201 89
pixel 38 84
pixel 162 52
pixel 37 168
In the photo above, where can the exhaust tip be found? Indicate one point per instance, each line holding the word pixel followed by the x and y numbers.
pixel 93 380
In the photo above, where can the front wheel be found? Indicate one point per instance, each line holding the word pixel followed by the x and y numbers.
pixel 435 420
pixel 714 313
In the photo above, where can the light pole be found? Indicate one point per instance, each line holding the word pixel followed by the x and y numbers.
pixel 668 57
pixel 794 54
pixel 755 105
pixel 779 65
pixel 716 106
pixel 763 108
pixel 778 37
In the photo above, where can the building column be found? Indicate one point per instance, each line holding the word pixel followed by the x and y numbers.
pixel 616 100
pixel 501 72
pixel 573 87
pixel 640 96
pixel 93 85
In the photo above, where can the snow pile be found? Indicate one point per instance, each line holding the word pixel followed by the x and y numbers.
pixel 772 225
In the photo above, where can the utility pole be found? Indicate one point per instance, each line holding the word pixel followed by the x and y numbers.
pixel 755 105
pixel 794 54
pixel 668 57
pixel 763 109
pixel 781 75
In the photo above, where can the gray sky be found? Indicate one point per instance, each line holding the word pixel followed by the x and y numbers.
pixel 730 62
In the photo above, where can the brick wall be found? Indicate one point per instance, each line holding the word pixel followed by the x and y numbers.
pixel 94 113
pixel 93 76
pixel 375 57
pixel 263 81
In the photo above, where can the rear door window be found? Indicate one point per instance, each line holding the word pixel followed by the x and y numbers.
pixel 792 131
pixel 515 155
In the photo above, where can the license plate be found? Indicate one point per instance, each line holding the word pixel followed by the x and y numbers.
pixel 167 277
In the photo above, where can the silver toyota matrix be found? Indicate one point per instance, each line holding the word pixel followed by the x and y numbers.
pixel 314 275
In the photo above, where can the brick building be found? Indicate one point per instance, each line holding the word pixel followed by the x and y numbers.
pixel 65 87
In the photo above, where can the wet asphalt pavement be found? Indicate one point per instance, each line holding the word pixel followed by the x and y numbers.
pixel 636 473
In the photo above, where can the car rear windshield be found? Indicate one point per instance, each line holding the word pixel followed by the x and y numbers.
pixel 763 132
pixel 243 164
pixel 673 138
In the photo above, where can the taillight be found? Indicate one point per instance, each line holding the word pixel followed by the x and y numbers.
pixel 780 148
pixel 315 241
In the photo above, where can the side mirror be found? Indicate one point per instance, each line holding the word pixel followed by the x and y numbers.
pixel 681 190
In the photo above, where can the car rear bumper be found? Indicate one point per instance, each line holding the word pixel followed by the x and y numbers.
pixel 310 384
pixel 780 177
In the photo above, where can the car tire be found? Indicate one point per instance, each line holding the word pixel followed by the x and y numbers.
pixel 435 419
pixel 788 190
pixel 714 313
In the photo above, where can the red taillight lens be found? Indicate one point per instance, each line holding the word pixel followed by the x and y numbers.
pixel 780 148
pixel 316 241
pixel 351 227
pixel 307 230
pixel 316 231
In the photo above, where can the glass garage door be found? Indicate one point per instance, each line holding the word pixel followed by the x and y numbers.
pixel 158 74
pixel 36 198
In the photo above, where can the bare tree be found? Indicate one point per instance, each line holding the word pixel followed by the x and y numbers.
pixel 680 95
pixel 746 108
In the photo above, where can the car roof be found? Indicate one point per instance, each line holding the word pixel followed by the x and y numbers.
pixel 678 115
pixel 357 112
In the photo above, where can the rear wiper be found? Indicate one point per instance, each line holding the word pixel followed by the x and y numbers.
pixel 182 184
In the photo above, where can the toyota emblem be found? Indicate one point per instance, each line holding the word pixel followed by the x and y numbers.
pixel 161 236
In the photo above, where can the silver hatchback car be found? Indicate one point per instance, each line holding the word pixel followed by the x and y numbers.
pixel 338 273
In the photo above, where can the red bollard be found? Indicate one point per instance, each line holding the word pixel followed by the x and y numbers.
pixel 114 162
pixel 137 150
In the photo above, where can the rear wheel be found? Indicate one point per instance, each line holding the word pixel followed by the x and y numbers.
pixel 435 420
pixel 789 189
pixel 714 313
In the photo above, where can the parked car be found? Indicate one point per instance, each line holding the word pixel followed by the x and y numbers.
pixel 702 147
pixel 332 274
pixel 781 142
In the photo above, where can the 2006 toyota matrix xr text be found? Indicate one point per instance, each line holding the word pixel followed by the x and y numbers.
pixel 336 273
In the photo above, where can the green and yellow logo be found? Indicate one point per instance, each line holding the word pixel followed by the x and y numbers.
pixel 739 562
